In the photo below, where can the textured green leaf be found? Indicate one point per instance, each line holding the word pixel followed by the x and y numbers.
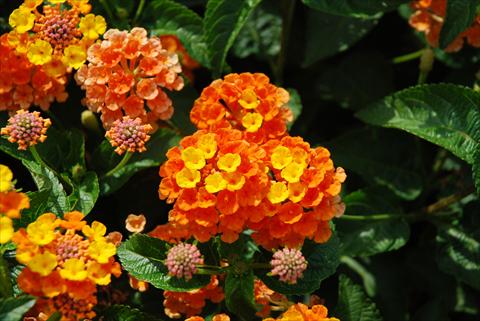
pixel 172 18
pixel 126 313
pixel 444 114
pixel 458 247
pixel 353 303
pixel 295 104
pixel 354 8
pixel 364 238
pixel 222 24
pixel 5 282
pixel 38 206
pixel 379 157
pixel 460 15
pixel 323 260
pixel 85 193
pixel 476 171
pixel 142 256
pixel 13 309
pixel 239 294
pixel 329 34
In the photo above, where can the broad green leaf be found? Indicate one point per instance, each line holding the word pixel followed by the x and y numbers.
pixel 444 114
pixel 476 171
pixel 323 260
pixel 261 34
pixel 295 104
pixel 12 150
pixel 459 16
pixel 172 18
pixel 125 313
pixel 239 294
pixel 370 237
pixel 458 247
pixel 157 147
pixel 379 157
pixel 5 283
pixel 76 150
pixel 353 304
pixel 38 206
pixel 13 309
pixel 222 24
pixel 85 193
pixel 142 256
pixel 355 8
pixel 327 35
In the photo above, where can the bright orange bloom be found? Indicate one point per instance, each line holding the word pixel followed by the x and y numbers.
pixel 301 312
pixel 191 303
pixel 71 309
pixel 246 101
pixel 126 71
pixel 268 298
pixel 22 84
pixel 173 45
pixel 428 17
pixel 63 264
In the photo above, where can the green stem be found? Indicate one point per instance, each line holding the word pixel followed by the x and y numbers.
pixel 408 57
pixel 288 10
pixel 368 279
pixel 422 77
pixel 139 11
pixel 107 8
pixel 122 163
pixel 374 217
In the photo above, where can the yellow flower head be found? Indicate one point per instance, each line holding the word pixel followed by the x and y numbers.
pixel 215 183
pixel 281 157
pixel 292 172
pixel 101 250
pixel 187 178
pixel 74 56
pixel 98 274
pixel 278 192
pixel 208 145
pixel 229 162
pixel 249 99
pixel 193 158
pixel 43 264
pixel 6 229
pixel 6 177
pixel 92 26
pixel 39 52
pixel 42 231
pixel 74 270
pixel 22 20
pixel 252 122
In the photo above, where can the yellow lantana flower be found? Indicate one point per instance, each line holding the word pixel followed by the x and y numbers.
pixel 278 192
pixel 74 56
pixel 229 162
pixel 193 158
pixel 187 178
pixel 101 250
pixel 6 229
pixel 249 99
pixel 74 270
pixel 252 122
pixel 215 183
pixel 6 177
pixel 22 20
pixel 292 172
pixel 235 181
pixel 98 274
pixel 208 145
pixel 43 264
pixel 281 157
pixel 40 52
pixel 96 231
pixel 92 26
pixel 42 231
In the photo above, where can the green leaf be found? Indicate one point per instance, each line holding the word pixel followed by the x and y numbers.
pixel 444 114
pixel 46 180
pixel 85 193
pixel 38 206
pixel 459 16
pixel 458 247
pixel 240 251
pixel 370 237
pixel 157 147
pixel 353 303
pixel 183 101
pixel 13 309
pixel 295 105
pixel 476 171
pixel 5 282
pixel 142 256
pixel 57 316
pixel 323 260
pixel 12 150
pixel 222 24
pixel 125 313
pixel 327 35
pixel 379 157
pixel 239 294
pixel 172 18
pixel 355 8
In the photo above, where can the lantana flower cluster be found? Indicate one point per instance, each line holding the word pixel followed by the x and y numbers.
pixel 230 176
pixel 429 17
pixel 65 260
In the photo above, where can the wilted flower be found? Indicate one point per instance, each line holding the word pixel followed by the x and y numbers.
pixel 135 223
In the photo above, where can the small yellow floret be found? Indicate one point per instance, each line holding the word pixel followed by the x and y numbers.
pixel 229 162
pixel 6 177
pixel 43 264
pixel 235 181
pixel 74 270
pixel 96 231
pixel 42 231
pixel 281 157
pixel 249 99
pixel 40 52
pixel 22 20
pixel 296 192
pixel 215 183
pixel 208 145
pixel 292 172
pixel 92 26
pixel 252 122
pixel 187 178
pixel 278 192
pixel 74 56
pixel 193 158
pixel 6 229
pixel 101 250
pixel 99 275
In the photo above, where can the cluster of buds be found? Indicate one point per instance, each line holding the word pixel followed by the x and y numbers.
pixel 26 129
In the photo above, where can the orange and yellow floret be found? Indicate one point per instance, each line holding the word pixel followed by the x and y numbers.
pixel 283 190
pixel 65 259
pixel 246 101
pixel 429 17
pixel 126 75
pixel 55 35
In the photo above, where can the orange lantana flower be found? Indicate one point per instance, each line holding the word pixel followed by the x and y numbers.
pixel 173 45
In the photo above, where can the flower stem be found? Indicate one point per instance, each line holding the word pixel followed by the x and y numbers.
pixel 139 11
pixel 374 217
pixel 122 163
pixel 408 57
